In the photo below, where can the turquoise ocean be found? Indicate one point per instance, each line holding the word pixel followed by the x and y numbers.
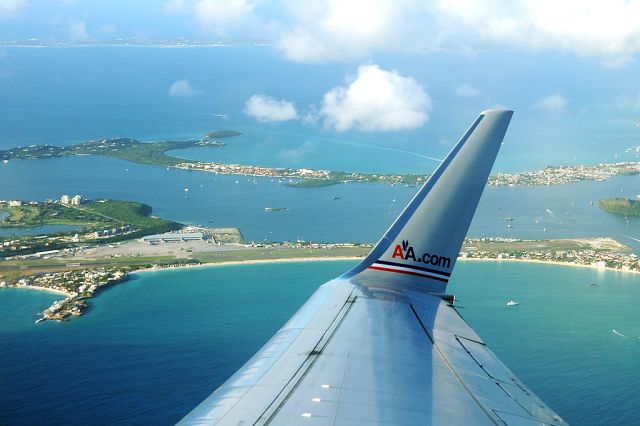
pixel 151 349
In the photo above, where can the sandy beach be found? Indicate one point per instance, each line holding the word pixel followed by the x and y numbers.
pixel 249 262
pixel 39 288
pixel 548 262
pixel 334 258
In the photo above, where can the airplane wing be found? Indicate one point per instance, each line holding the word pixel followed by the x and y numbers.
pixel 383 344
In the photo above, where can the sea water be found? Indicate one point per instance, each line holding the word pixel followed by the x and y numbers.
pixel 149 350
pixel 360 214
pixel 67 95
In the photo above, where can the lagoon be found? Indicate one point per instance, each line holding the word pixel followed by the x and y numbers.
pixel 37 230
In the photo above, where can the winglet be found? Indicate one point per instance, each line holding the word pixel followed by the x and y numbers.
pixel 420 248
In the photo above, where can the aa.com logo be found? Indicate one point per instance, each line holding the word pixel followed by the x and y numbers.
pixel 407 252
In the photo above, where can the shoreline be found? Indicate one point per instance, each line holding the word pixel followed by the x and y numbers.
pixel 549 262
pixel 318 259
pixel 337 258
pixel 249 262
pixel 40 288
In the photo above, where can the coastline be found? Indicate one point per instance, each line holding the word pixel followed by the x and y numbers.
pixel 40 288
pixel 549 262
pixel 335 258
pixel 248 262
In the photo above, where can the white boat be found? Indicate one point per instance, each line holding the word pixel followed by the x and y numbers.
pixel 512 303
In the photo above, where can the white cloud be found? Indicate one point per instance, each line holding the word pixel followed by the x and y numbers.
pixel 376 99
pixel 591 27
pixel 335 29
pixel 267 109
pixel 183 89
pixel 219 16
pixel 325 30
pixel 466 91
pixel 10 8
pixel 78 31
pixel 552 103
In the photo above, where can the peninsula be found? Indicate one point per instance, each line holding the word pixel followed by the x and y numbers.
pixel 154 153
pixel 621 206
pixel 120 148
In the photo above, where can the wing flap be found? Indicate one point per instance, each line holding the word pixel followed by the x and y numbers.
pixel 249 393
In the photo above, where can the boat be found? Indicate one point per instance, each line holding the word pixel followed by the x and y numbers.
pixel 5 161
pixel 512 303
pixel 186 190
pixel 509 225
pixel 508 218
pixel 275 209
pixel 335 198
pixel 594 285
pixel 39 320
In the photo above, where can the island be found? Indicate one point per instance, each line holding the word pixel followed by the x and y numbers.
pixel 154 153
pixel 621 206
pixel 98 221
pixel 120 148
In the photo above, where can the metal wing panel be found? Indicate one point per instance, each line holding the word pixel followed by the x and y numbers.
pixel 351 356
pixel 380 368
pixel 490 382
pixel 251 390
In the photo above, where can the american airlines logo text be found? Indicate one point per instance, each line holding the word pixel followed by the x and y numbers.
pixel 406 252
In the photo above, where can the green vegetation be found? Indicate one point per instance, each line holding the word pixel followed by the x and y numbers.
pixel 313 183
pixel 91 216
pixel 116 220
pixel 47 213
pixel 11 270
pixel 121 148
pixel 621 206
pixel 136 215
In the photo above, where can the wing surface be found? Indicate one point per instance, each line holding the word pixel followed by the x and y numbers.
pixel 382 344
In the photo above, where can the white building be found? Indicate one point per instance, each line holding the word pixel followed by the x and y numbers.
pixel 76 200
pixel 65 199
